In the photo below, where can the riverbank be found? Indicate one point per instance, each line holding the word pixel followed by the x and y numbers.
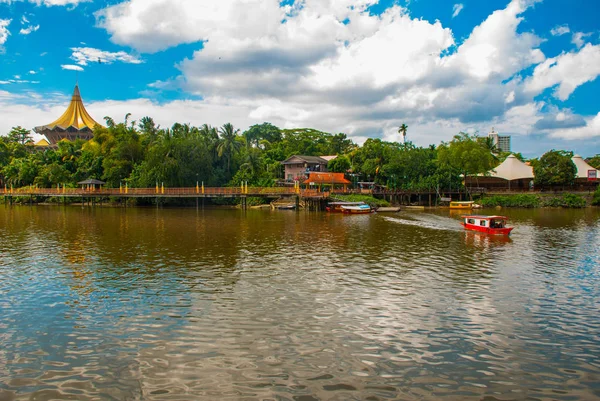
pixel 564 200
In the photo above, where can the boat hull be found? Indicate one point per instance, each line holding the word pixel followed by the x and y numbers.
pixel 488 230
pixel 357 211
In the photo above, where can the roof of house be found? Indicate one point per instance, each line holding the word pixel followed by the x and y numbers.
pixel 75 117
pixel 326 178
pixel 582 167
pixel 512 169
pixel 295 159
pixel 42 143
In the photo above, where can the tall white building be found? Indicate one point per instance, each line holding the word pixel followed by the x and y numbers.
pixel 502 142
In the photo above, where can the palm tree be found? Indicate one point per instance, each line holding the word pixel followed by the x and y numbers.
pixel 229 144
pixel 402 131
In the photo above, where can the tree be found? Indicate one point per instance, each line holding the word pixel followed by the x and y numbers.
pixel 20 135
pixel 555 168
pixel 402 131
pixel 229 145
pixel 466 155
pixel 340 164
pixel 594 161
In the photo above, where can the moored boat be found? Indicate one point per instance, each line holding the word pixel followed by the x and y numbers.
pixel 336 207
pixel 357 209
pixel 461 205
pixel 495 225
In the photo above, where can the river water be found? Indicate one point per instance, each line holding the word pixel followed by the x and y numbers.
pixel 132 304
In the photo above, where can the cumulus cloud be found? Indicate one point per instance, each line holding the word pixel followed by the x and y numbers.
pixel 589 130
pixel 49 3
pixel 71 67
pixel 567 71
pixel 29 29
pixel 85 55
pixel 334 65
pixel 4 32
pixel 456 9
pixel 560 30
pixel 559 119
pixel 578 38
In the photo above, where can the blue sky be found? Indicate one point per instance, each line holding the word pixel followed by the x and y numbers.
pixel 528 68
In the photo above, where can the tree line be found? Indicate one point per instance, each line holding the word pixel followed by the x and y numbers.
pixel 142 154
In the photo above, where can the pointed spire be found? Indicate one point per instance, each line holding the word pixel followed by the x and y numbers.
pixel 75 117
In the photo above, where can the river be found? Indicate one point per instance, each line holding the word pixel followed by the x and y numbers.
pixel 185 304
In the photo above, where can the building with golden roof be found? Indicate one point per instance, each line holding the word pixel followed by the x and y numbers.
pixel 75 123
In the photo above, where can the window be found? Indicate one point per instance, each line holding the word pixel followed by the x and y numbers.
pixel 482 223
pixel 471 221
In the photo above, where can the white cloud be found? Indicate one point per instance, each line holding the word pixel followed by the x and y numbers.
pixel 495 48
pixel 589 130
pixel 4 32
pixel 49 3
pixel 332 64
pixel 456 9
pixel 85 55
pixel 71 67
pixel 560 30
pixel 29 29
pixel 568 71
pixel 578 38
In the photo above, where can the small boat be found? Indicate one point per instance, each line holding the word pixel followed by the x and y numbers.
pixel 495 225
pixel 289 206
pixel 461 205
pixel 336 207
pixel 357 209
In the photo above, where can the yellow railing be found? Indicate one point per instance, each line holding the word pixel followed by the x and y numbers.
pixel 162 191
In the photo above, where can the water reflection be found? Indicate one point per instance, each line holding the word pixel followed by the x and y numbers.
pixel 221 304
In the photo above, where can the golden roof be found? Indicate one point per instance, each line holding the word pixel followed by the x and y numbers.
pixel 75 117
pixel 42 143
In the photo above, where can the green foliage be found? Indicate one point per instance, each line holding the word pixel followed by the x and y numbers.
pixel 144 154
pixel 554 168
pixel 596 197
pixel 522 200
pixel 566 201
pixel 20 135
pixel 362 198
pixel 466 154
pixel 594 161
pixel 340 164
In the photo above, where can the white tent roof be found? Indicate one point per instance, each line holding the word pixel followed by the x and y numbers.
pixel 512 169
pixel 583 167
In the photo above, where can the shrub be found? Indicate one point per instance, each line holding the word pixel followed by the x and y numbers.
pixel 567 201
pixel 524 200
pixel 596 198
pixel 573 201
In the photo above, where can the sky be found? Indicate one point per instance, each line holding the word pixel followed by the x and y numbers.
pixel 526 68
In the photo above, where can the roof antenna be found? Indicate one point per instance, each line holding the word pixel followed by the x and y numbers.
pixel 76 78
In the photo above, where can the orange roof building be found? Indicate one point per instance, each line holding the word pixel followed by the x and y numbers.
pixel 318 178
pixel 75 123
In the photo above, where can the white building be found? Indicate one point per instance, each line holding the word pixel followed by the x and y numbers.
pixel 502 142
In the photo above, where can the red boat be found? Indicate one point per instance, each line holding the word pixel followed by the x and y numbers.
pixel 495 225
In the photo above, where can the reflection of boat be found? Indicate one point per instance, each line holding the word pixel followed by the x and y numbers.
pixel 495 225
pixel 461 205
pixel 483 240
pixel 349 207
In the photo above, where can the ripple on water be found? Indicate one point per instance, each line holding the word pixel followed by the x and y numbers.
pixel 175 304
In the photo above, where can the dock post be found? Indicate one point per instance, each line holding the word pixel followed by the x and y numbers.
pixel 297 203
